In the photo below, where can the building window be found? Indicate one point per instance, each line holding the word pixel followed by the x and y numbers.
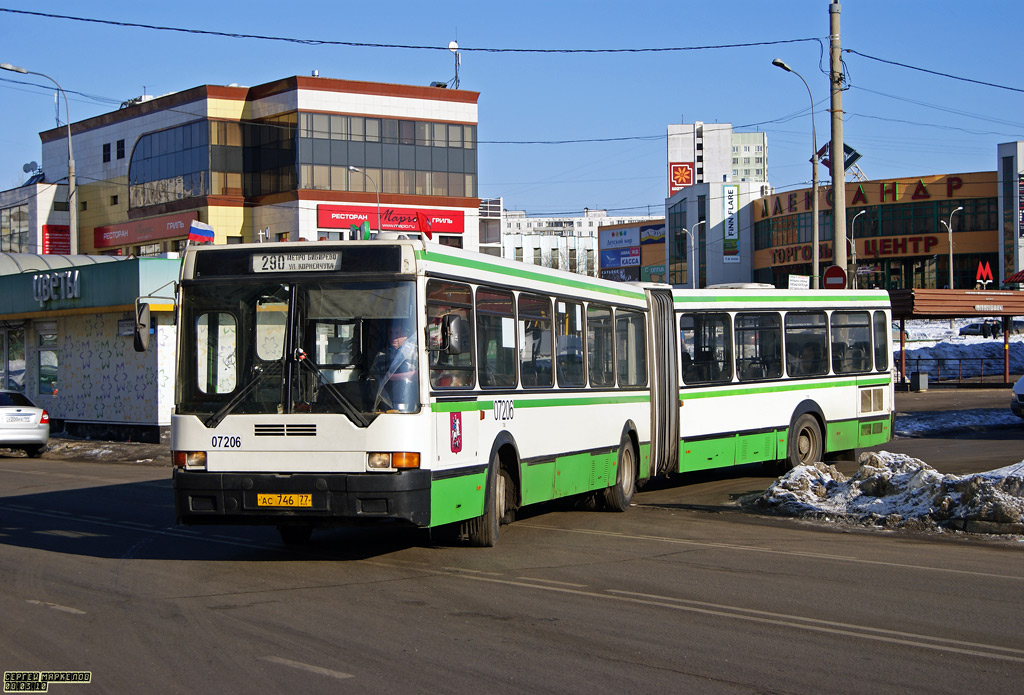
pixel 120 149
pixel 113 200
pixel 48 359
pixel 14 229
pixel 106 152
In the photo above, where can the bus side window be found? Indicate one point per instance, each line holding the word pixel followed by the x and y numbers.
pixel 711 345
pixel 448 371
pixel 535 341
pixel 881 345
pixel 569 344
pixel 496 338
pixel 851 340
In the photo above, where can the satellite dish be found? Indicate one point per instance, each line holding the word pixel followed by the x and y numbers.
pixel 30 167
pixel 453 46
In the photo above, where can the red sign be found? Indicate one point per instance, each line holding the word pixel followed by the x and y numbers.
pixel 392 219
pixel 680 175
pixel 139 231
pixel 834 278
pixel 56 238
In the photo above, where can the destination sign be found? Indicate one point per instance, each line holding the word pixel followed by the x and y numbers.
pixel 295 262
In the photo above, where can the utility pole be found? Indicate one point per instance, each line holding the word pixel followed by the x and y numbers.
pixel 836 149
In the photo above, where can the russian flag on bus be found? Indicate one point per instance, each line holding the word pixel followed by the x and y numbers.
pixel 200 232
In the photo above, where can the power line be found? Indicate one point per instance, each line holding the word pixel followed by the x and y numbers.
pixel 355 44
pixel 932 72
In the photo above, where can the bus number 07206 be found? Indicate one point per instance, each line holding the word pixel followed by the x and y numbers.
pixel 504 409
pixel 225 442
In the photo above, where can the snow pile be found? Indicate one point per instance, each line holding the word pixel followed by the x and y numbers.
pixel 899 491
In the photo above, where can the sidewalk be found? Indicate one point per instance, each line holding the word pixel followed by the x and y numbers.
pixel 946 398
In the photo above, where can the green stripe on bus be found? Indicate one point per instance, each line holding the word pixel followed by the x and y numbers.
pixel 779 299
pixel 726 390
pixel 526 274
pixel 553 402
pixel 732 449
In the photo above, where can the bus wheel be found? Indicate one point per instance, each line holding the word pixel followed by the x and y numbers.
pixel 482 531
pixel 805 443
pixel 618 496
pixel 295 534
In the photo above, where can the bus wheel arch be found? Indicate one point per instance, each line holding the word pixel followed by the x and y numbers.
pixel 501 494
pixel 805 441
pixel 619 495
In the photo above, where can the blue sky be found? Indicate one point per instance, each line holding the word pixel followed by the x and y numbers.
pixel 904 122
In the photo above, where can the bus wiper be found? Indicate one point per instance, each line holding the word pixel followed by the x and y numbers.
pixel 261 374
pixel 347 407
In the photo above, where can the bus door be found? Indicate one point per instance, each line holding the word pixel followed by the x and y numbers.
pixel 664 383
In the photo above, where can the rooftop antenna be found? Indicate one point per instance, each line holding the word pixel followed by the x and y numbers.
pixel 453 46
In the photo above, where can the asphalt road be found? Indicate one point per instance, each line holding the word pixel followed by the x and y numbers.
pixel 672 596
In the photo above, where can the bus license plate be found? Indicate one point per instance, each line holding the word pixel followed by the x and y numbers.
pixel 283 500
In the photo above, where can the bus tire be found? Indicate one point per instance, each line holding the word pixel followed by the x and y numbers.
pixel 482 532
pixel 295 534
pixel 617 498
pixel 806 445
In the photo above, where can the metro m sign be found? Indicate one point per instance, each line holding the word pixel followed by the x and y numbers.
pixel 680 175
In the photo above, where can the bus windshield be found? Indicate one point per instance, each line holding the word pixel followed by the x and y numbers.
pixel 298 347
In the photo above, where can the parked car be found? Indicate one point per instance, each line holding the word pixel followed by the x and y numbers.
pixel 1017 398
pixel 990 328
pixel 22 424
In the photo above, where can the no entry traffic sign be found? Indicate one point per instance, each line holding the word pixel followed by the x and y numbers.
pixel 834 278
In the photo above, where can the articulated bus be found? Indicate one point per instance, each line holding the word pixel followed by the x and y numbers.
pixel 329 383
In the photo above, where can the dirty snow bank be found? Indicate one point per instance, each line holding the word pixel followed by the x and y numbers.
pixel 899 491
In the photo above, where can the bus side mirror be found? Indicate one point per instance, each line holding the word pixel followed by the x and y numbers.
pixel 141 326
pixel 455 336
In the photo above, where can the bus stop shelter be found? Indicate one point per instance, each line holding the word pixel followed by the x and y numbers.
pixel 955 304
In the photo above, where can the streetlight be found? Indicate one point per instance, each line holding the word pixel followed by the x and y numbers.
pixel 370 179
pixel 689 259
pixel 72 204
pixel 778 62
pixel 949 232
pixel 853 245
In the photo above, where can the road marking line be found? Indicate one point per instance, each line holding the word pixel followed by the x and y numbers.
pixel 308 667
pixel 551 581
pixel 796 622
pixel 773 551
pixel 818 621
pixel 56 607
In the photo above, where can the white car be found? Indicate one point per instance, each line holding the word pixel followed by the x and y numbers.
pixel 1017 399
pixel 22 424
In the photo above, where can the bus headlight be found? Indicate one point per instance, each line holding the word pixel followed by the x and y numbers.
pixel 189 460
pixel 385 460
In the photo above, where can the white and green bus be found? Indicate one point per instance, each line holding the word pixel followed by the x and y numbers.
pixel 329 383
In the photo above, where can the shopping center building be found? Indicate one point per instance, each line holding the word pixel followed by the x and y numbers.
pixel 898 230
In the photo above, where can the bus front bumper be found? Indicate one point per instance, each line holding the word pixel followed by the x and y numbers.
pixel 201 497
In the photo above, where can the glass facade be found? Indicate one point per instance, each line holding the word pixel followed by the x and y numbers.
pixel 306 151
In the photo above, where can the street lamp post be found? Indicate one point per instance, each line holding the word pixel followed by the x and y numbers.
pixel 375 190
pixel 72 203
pixel 949 232
pixel 690 265
pixel 853 247
pixel 815 275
